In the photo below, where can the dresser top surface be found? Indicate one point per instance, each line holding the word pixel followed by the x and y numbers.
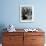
pixel 22 30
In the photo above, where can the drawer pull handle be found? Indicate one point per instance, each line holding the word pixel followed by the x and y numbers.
pixel 33 39
pixel 10 38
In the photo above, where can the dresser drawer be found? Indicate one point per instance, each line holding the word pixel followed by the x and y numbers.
pixel 13 44
pixel 37 44
pixel 37 39
pixel 13 33
pixel 34 33
pixel 12 39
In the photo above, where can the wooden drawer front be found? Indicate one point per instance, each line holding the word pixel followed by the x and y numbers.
pixel 12 39
pixel 37 45
pixel 37 39
pixel 12 44
pixel 13 33
pixel 27 41
pixel 33 33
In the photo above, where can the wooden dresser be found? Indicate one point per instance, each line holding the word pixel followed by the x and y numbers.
pixel 23 38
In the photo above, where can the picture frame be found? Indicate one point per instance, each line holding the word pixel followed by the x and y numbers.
pixel 26 13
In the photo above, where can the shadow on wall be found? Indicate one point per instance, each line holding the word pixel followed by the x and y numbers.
pixel 2 26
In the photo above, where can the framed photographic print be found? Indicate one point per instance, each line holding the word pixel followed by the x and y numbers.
pixel 26 13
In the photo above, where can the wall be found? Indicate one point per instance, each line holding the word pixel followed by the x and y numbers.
pixel 10 13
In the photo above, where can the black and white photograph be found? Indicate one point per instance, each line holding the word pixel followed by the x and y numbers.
pixel 26 13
